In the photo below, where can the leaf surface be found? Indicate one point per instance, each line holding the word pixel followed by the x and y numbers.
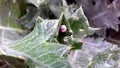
pixel 37 46
pixel 9 29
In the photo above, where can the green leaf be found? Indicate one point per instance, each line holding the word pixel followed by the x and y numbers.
pixel 106 59
pixel 79 24
pixel 66 37
pixel 95 53
pixel 9 29
pixel 37 3
pixel 37 46
pixel 66 9
pixel 68 32
pixel 8 13
pixel 14 58
pixel 79 20
pixel 55 8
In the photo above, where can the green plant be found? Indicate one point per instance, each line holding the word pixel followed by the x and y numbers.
pixel 47 46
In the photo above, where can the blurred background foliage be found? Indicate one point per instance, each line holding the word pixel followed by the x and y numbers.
pixel 30 33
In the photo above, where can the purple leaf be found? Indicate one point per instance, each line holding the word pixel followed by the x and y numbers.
pixel 102 13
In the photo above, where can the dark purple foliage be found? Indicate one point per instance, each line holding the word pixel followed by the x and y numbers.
pixel 4 64
pixel 102 13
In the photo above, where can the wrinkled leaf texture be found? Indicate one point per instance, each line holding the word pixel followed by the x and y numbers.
pixel 95 53
pixel 37 46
